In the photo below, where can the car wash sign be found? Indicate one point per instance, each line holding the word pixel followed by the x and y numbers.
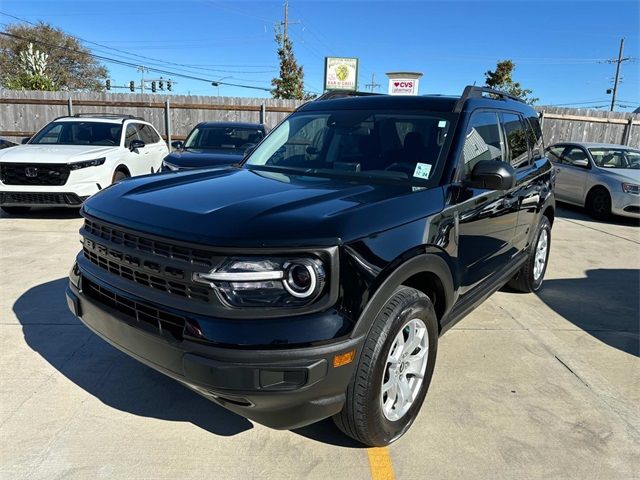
pixel 404 83
pixel 340 73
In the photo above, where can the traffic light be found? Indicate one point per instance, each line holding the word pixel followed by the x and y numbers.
pixel 108 84
pixel 153 86
pixel 132 86
pixel 161 84
pixel 169 85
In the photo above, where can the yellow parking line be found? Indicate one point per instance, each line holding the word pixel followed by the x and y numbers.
pixel 380 464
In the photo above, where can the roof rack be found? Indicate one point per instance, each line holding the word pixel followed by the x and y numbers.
pixel 105 115
pixel 471 91
pixel 330 95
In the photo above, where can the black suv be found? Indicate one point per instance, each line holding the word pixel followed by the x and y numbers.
pixel 314 279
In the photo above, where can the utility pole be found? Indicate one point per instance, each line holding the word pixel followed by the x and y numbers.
pixel 285 24
pixel 373 83
pixel 142 69
pixel 618 62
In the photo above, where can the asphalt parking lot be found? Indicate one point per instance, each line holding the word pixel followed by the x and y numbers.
pixel 527 386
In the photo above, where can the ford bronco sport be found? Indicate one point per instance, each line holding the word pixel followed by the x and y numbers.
pixel 314 279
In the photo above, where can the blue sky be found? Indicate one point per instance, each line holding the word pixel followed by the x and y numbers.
pixel 559 47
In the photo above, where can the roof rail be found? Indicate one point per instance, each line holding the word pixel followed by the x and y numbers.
pixel 330 95
pixel 471 91
pixel 105 115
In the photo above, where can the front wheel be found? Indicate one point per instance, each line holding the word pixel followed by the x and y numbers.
pixel 393 372
pixel 599 204
pixel 529 278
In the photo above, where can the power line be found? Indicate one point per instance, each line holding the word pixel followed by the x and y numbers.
pixel 133 65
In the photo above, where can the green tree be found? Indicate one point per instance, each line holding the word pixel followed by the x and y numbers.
pixel 290 84
pixel 501 79
pixel 69 64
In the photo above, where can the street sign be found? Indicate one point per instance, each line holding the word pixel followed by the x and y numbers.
pixel 340 73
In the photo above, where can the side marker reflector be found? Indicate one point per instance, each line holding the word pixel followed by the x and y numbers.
pixel 343 359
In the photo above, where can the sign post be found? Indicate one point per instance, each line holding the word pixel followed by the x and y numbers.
pixel 404 83
pixel 341 74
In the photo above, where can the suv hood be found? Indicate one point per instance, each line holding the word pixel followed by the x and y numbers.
pixel 53 153
pixel 204 158
pixel 235 207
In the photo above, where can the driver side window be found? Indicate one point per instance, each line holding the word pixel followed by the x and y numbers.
pixel 483 141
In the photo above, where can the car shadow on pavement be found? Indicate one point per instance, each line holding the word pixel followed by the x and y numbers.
pixel 605 304
pixel 108 374
pixel 573 212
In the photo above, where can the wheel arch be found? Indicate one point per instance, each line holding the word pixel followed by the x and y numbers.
pixel 595 188
pixel 427 272
pixel 121 167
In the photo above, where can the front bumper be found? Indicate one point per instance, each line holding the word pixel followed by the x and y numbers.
pixel 279 388
pixel 625 204
pixel 40 199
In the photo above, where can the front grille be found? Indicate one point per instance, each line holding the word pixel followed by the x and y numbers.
pixel 160 321
pixel 147 262
pixel 148 245
pixel 143 272
pixel 28 198
pixel 34 174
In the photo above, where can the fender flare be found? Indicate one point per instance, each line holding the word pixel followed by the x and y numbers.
pixel 423 263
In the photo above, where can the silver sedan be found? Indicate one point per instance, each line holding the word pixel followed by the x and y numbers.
pixel 603 178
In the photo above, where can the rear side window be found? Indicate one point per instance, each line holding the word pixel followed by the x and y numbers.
pixel 516 134
pixel 148 134
pixel 483 140
pixel 535 137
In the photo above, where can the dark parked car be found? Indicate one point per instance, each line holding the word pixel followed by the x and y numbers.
pixel 214 144
pixel 314 279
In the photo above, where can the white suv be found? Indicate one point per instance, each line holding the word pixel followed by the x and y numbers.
pixel 74 157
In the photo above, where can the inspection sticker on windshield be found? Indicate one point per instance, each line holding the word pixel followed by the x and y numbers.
pixel 422 170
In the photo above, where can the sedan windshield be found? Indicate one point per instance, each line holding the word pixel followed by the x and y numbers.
pixel 355 143
pixel 616 158
pixel 79 133
pixel 223 138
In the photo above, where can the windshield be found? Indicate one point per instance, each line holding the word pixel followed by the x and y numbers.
pixel 616 158
pixel 79 133
pixel 355 143
pixel 223 138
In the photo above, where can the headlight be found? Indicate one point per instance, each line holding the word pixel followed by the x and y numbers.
pixel 87 163
pixel 169 167
pixel 631 188
pixel 272 282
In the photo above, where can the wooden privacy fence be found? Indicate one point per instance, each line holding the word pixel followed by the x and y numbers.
pixel 23 113
pixel 588 125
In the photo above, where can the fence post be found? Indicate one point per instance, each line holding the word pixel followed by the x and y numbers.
pixel 70 106
pixel 627 132
pixel 263 114
pixel 167 122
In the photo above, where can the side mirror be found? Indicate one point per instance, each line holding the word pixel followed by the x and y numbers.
pixel 25 140
pixel 492 175
pixel 136 144
pixel 178 145
pixel 580 163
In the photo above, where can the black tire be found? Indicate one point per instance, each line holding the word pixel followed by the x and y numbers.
pixel 15 210
pixel 119 176
pixel 525 281
pixel 599 204
pixel 362 417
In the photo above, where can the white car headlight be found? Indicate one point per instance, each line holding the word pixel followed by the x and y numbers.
pixel 631 188
pixel 86 163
